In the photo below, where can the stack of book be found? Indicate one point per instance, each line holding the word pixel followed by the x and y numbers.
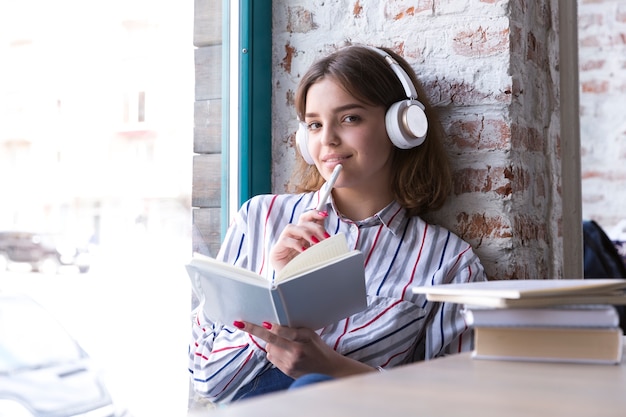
pixel 540 320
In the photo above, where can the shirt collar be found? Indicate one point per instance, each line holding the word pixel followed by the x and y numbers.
pixel 393 216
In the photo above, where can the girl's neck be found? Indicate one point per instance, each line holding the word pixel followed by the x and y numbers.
pixel 358 206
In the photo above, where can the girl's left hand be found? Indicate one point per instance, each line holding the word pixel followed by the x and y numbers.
pixel 300 351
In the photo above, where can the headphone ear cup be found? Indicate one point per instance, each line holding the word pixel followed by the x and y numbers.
pixel 406 124
pixel 302 141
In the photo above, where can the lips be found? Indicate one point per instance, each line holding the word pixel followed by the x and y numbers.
pixel 329 159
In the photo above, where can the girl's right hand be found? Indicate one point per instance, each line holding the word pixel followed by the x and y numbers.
pixel 296 238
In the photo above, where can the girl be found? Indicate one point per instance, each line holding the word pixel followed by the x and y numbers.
pixel 358 107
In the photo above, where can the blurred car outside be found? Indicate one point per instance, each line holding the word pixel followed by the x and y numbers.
pixel 43 370
pixel 43 252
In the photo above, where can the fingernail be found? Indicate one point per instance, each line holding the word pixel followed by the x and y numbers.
pixel 239 324
pixel 303 248
pixel 323 213
pixel 314 239
pixel 267 325
pixel 326 235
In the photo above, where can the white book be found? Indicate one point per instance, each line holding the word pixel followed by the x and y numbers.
pixel 583 315
pixel 320 286
pixel 542 344
pixel 529 292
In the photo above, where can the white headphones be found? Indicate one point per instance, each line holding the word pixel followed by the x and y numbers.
pixel 405 120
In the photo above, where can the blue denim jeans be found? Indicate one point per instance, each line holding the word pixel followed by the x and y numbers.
pixel 268 381
pixel 274 380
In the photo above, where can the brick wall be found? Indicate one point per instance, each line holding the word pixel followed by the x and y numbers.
pixel 602 72
pixel 502 128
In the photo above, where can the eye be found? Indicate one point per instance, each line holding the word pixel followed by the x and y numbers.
pixel 352 119
pixel 313 125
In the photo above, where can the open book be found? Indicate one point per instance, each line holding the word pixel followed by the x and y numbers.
pixel 529 293
pixel 320 286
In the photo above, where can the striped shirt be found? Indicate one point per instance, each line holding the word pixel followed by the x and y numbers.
pixel 397 327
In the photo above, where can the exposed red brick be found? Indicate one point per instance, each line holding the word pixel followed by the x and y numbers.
pixel 410 54
pixel 620 16
pixel 407 12
pixel 479 226
pixel 608 40
pixel 475 180
pixel 608 176
pixel 398 48
pixel 489 134
pixel 528 270
pixel 507 189
pixel 516 87
pixel 588 20
pixel 540 186
pixel 589 41
pixel 357 9
pixel 618 39
pixel 515 39
pixel 595 86
pixel 290 97
pixel 587 174
pixel 300 20
pixel 442 90
pixel 481 42
pixel 524 138
pixel 289 54
pixel 592 65
pixel 396 9
pixel 529 229
pixel 520 179
pixel 536 51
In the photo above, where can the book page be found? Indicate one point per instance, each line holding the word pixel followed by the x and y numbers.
pixel 211 266
pixel 549 300
pixel 516 289
pixel 316 255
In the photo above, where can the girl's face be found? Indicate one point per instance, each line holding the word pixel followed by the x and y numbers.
pixel 344 130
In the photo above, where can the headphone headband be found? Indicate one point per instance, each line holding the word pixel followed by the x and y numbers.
pixel 407 84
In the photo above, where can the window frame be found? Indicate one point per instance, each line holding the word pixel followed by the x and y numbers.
pixel 247 81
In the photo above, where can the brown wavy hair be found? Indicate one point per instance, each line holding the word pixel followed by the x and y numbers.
pixel 422 179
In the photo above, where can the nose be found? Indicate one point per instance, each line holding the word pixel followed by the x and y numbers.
pixel 329 135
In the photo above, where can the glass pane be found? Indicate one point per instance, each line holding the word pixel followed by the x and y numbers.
pixel 96 145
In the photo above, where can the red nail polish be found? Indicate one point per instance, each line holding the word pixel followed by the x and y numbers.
pixel 323 213
pixel 303 248
pixel 239 324
pixel 326 235
pixel 314 239
pixel 267 325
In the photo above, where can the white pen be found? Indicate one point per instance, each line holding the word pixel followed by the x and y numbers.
pixel 329 187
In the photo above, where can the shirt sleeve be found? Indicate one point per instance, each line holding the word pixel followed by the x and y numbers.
pixel 223 358
pixel 447 331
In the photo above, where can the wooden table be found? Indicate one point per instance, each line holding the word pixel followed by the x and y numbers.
pixel 456 386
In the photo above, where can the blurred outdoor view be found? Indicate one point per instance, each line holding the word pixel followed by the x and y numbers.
pixel 96 132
